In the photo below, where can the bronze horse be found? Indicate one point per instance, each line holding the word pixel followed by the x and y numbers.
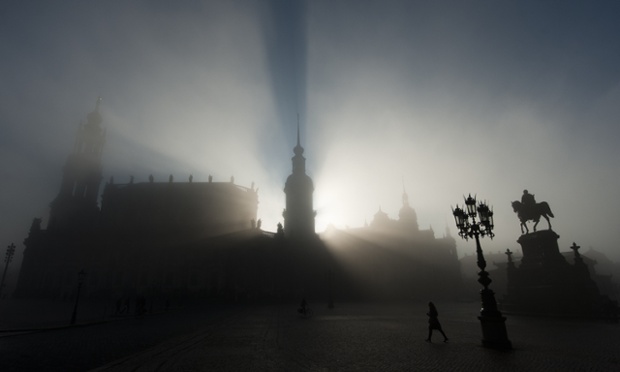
pixel 532 213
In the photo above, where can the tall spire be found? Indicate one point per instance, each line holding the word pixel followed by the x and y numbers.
pixel 299 162
pixel 298 150
pixel 407 215
pixel 405 196
pixel 299 213
pixel 94 118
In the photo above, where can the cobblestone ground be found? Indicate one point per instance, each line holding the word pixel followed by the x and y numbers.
pixel 381 338
pixel 351 337
pixel 88 346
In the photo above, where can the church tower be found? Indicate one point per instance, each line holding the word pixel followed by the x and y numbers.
pixel 76 203
pixel 299 214
pixel 407 217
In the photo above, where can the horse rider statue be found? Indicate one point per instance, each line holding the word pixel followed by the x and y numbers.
pixel 528 200
pixel 527 209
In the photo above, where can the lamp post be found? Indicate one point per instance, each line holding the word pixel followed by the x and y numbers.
pixel 81 276
pixel 491 319
pixel 10 251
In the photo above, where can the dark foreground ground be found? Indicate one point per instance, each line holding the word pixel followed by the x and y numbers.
pixel 351 337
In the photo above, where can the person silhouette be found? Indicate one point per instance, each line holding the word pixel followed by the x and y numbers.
pixel 433 322
pixel 303 306
pixel 528 201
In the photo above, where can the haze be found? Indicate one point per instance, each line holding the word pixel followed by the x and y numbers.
pixel 443 99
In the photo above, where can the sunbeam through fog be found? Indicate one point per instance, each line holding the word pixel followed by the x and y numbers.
pixel 439 100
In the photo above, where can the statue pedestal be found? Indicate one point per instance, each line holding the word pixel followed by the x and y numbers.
pixel 546 284
pixel 540 248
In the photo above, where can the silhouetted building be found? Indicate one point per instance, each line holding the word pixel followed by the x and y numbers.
pixel 181 208
pixel 299 213
pixel 168 240
pixel 155 237
pixel 76 203
pixel 394 259
pixel 599 267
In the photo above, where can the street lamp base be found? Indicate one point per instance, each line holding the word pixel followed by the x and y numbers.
pixel 494 335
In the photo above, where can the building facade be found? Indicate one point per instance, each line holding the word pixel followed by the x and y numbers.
pixel 395 259
pixel 145 238
pixel 171 239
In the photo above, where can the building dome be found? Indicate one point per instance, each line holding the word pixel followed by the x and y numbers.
pixel 380 219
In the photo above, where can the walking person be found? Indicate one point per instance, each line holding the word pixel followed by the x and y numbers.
pixel 433 322
pixel 302 306
pixel 304 310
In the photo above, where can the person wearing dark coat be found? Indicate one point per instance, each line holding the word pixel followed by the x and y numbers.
pixel 433 322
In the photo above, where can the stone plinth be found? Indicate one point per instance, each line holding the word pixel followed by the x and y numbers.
pixel 544 283
pixel 540 248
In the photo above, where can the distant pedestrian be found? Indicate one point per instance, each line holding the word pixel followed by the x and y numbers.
pixel 303 307
pixel 433 322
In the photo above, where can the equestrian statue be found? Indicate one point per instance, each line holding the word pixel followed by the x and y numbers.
pixel 528 210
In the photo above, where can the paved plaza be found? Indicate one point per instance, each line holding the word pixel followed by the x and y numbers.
pixel 351 337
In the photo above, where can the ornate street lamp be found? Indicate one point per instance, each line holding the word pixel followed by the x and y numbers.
pixel 10 251
pixel 493 324
pixel 81 276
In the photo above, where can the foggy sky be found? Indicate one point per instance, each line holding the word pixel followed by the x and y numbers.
pixel 447 99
